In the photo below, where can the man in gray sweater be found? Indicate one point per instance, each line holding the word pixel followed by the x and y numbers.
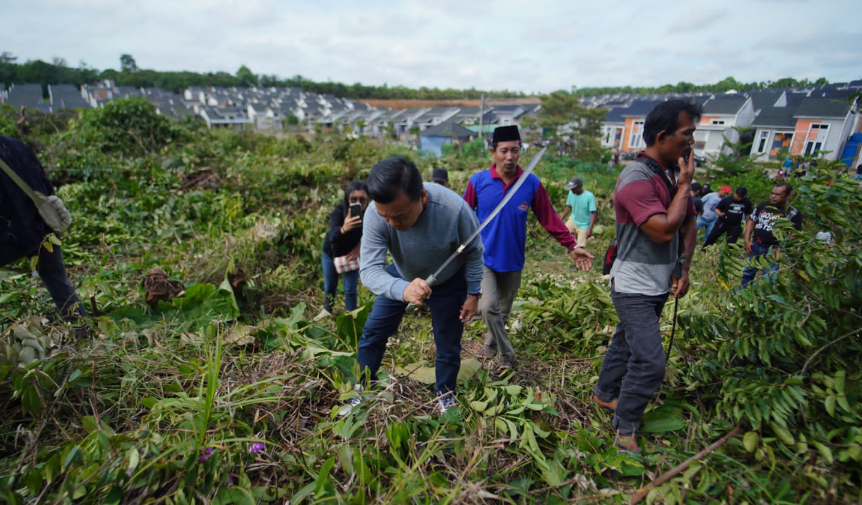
pixel 420 225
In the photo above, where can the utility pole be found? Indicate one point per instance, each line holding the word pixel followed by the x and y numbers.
pixel 482 118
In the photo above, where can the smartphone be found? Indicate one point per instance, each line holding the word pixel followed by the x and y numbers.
pixel 356 210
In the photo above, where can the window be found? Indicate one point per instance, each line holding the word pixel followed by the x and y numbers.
pixel 717 121
pixel 817 134
pixel 637 139
pixel 761 142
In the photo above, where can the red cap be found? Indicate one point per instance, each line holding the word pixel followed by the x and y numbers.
pixel 726 189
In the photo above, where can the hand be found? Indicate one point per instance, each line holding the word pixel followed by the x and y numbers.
pixel 686 170
pixel 353 255
pixel 748 246
pixel 416 292
pixel 351 223
pixel 583 259
pixel 470 308
pixel 679 287
pixel 589 233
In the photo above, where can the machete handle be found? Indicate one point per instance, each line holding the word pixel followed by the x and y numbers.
pixel 430 280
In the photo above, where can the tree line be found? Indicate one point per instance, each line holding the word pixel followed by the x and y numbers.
pixel 59 72
pixel 722 86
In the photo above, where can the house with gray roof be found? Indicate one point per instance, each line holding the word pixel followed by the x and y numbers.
pixel 66 96
pixel 2 92
pixel 815 125
pixel 449 132
pixel 27 95
pixel 720 115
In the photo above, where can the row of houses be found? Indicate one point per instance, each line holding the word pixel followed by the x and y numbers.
pixel 790 121
pixel 794 122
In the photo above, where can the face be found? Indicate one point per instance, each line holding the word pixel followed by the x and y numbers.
pixel 778 196
pixel 402 212
pixel 578 190
pixel 737 198
pixel 678 144
pixel 506 156
pixel 360 197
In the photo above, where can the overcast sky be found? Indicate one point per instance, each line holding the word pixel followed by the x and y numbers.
pixel 531 46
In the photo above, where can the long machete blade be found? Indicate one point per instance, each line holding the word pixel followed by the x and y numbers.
pixel 491 216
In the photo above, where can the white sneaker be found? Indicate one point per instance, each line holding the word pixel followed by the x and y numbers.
pixel 444 403
pixel 322 315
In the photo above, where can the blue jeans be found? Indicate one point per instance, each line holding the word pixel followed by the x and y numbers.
pixel 445 304
pixel 330 284
pixel 707 224
pixel 750 272
pixel 635 354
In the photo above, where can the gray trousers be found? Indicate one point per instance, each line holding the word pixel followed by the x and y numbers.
pixel 634 364
pixel 498 293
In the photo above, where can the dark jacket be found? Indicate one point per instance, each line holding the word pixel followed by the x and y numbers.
pixel 337 244
pixel 21 227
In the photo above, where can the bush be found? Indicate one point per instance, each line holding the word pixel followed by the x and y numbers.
pixel 130 126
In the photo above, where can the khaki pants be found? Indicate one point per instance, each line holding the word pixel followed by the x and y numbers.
pixel 498 294
pixel 580 235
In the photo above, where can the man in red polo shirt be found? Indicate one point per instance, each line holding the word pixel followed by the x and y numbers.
pixel 505 238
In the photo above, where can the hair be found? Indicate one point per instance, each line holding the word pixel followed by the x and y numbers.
pixel 350 188
pixel 741 191
pixel 787 188
pixel 665 117
pixel 393 175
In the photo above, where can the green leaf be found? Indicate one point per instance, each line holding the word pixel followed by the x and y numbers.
pixel 750 441
pixel 661 421
pixel 134 459
pixel 838 381
pixel 826 452
pixel 830 405
pixel 90 424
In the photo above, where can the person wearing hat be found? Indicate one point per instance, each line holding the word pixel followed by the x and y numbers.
pixel 440 176
pixel 505 237
pixel 582 206
pixel 731 211
pixel 710 202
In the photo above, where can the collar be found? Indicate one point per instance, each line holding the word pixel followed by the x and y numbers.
pixel 671 170
pixel 496 175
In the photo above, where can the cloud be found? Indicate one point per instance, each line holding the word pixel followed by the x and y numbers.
pixel 697 20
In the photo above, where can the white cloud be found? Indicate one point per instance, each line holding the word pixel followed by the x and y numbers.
pixel 541 45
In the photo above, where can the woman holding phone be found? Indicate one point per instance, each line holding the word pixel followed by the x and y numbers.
pixel 341 248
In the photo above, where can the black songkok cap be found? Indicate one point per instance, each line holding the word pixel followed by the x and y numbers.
pixel 506 133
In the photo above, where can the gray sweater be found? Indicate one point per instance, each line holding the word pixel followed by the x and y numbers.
pixel 445 223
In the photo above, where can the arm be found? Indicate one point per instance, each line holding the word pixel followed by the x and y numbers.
pixel 662 227
pixel 473 254
pixel 372 259
pixel 749 229
pixel 687 242
pixel 475 264
pixel 549 219
pixel 470 196
pixel 592 223
pixel 565 213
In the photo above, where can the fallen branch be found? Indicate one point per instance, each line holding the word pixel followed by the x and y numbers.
pixel 641 494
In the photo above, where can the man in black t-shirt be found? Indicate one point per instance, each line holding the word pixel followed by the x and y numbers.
pixel 731 211
pixel 759 238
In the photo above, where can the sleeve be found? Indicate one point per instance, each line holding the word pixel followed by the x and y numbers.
pixel 475 263
pixel 549 219
pixel 754 213
pixel 593 207
pixel 372 259
pixel 797 221
pixel 336 219
pixel 640 200
pixel 470 195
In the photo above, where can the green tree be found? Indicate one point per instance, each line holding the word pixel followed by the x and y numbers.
pixel 567 118
pixel 246 77
pixel 127 63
